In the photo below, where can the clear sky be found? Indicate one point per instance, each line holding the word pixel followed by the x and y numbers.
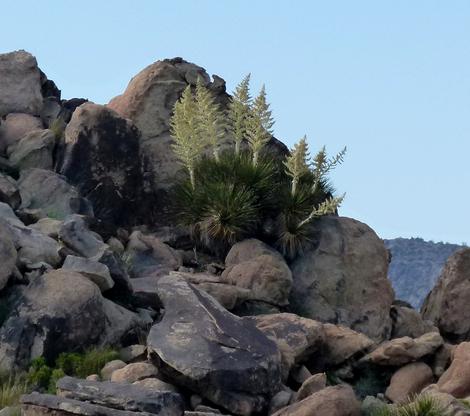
pixel 389 79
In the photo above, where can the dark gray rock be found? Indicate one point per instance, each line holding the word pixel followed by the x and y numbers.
pixel 121 396
pixel 34 150
pixel 102 159
pixel 48 405
pixel 200 345
pixel 76 235
pixel 7 255
pixel 9 192
pixel 97 272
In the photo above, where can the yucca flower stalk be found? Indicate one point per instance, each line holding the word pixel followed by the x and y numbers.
pixel 296 163
pixel 239 112
pixel 185 130
pixel 321 165
pixel 260 125
pixel 210 118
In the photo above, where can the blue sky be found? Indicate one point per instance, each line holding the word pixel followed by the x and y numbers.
pixel 389 79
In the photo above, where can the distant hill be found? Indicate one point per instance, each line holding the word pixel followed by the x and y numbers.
pixel 416 265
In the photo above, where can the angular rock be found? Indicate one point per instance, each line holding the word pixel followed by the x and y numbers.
pixel 311 386
pixel 133 353
pixel 145 293
pixel 350 262
pixel 280 400
pixel 102 159
pixel 47 194
pixel 15 126
pixel 9 192
pixel 98 273
pixel 58 312
pixel 7 255
pixel 34 150
pixel 331 401
pixel 199 345
pixel 408 323
pixel 456 379
pixel 76 235
pixel 447 304
pixel 147 255
pixel 20 83
pixel 120 396
pixel 297 338
pixel 266 275
pixel 47 405
pixel 134 372
pixel 409 381
pixel 401 351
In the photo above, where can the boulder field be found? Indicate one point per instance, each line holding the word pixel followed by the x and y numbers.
pixel 89 258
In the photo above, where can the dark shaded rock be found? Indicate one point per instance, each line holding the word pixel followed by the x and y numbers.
pixel 198 344
pixel 102 159
pixel 75 234
pixel 447 304
pixel 9 192
pixel 47 405
pixel 7 255
pixel 121 396
pixel 97 272
pixel 47 194
pixel 406 322
pixel 58 312
pixel 344 279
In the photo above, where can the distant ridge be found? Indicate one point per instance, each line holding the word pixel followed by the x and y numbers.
pixel 416 265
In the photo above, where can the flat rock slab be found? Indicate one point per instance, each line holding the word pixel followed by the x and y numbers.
pixel 121 396
pixel 48 405
pixel 200 345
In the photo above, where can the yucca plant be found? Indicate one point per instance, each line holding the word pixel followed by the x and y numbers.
pixel 231 195
pixel 423 405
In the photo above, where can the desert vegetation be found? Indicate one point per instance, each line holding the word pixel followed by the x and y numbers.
pixel 233 187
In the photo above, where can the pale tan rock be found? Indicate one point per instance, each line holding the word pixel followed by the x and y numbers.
pixel 134 372
pixel 15 126
pixel 331 401
pixel 409 381
pixel 110 368
pixel 405 350
pixel 456 380
pixel 312 385
pixel 156 384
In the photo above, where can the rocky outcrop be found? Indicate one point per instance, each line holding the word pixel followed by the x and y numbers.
pixel 101 158
pixel 58 312
pixel 201 346
pixel 447 304
pixel 20 84
pixel 47 194
pixel 331 401
pixel 121 396
pixel 34 150
pixel 350 262
pixel 252 264
pixel 456 380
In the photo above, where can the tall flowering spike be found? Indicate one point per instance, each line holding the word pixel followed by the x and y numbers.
pixel 260 126
pixel 321 164
pixel 211 125
pixel 239 111
pixel 297 162
pixel 187 145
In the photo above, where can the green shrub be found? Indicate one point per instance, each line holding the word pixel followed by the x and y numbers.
pixel 234 194
pixel 39 373
pixel 56 375
pixel 424 405
pixel 94 360
pixel 11 389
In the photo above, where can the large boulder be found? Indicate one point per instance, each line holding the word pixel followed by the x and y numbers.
pixel 149 100
pixel 20 84
pixel 253 265
pixel 201 346
pixel 34 150
pixel 330 401
pixel 408 322
pixel 456 379
pixel 60 311
pixel 7 255
pixel 121 396
pixel 9 192
pixel 15 126
pixel 101 158
pixel 344 279
pixel 97 272
pixel 447 304
pixel 47 194
pixel 409 381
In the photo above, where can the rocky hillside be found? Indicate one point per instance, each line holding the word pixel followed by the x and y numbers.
pixel 416 265
pixel 106 309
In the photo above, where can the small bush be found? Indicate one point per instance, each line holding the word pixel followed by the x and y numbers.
pixel 11 389
pixel 424 405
